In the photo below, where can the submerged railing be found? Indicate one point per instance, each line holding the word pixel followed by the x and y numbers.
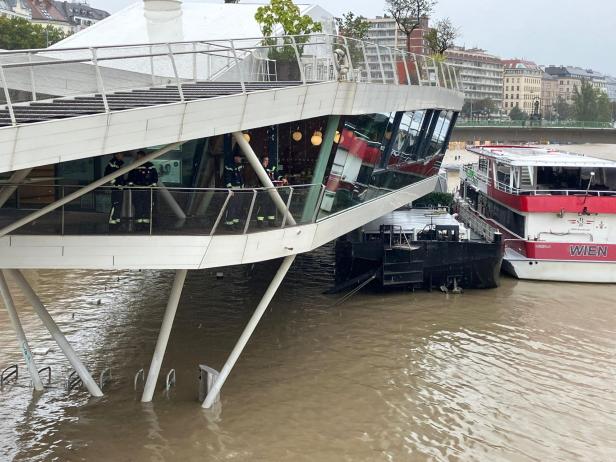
pixel 161 210
pixel 28 76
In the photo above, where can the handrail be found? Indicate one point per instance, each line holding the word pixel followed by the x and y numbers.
pixel 323 47
pixel 4 376
pixel 532 192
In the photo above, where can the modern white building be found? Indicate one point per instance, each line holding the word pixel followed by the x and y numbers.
pixel 187 90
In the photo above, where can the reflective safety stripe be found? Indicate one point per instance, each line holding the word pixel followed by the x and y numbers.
pixel 271 218
pixel 260 218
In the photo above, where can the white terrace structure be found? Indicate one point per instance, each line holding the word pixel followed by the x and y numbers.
pixel 354 145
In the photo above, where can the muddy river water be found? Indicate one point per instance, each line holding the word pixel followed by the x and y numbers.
pixel 526 372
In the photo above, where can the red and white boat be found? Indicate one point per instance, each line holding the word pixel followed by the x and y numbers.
pixel 557 210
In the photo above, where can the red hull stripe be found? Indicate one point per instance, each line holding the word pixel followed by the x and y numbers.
pixel 556 203
pixel 571 251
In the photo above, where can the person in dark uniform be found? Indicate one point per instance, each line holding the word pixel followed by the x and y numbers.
pixel 117 194
pixel 267 208
pixel 234 179
pixel 144 176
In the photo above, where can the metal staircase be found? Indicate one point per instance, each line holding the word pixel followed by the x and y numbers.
pixel 62 108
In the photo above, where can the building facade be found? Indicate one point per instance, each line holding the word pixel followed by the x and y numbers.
pixel 384 32
pixel 15 9
pixel 481 74
pixel 46 13
pixel 549 95
pixel 610 87
pixel 570 78
pixel 80 15
pixel 522 85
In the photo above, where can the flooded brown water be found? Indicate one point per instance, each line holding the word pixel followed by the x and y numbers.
pixel 526 372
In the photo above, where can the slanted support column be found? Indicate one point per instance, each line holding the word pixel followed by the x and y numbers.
pixel 254 162
pixel 19 331
pixel 86 189
pixel 55 332
pixel 16 178
pixel 163 336
pixel 210 399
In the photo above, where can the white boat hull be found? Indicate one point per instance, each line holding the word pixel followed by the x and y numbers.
pixel 565 271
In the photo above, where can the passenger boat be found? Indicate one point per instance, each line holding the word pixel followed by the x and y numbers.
pixel 556 210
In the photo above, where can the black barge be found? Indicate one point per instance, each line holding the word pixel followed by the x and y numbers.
pixel 418 249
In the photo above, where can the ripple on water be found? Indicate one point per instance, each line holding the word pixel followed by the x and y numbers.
pixel 525 372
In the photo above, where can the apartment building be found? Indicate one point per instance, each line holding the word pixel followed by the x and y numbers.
pixel 481 74
pixel 15 9
pixel 570 77
pixel 384 32
pixel 522 84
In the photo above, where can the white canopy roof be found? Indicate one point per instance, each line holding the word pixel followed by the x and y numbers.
pixel 520 156
pixel 187 21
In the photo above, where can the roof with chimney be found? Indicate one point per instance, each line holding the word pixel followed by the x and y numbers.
pixel 80 10
pixel 46 10
pixel 519 64
pixel 574 72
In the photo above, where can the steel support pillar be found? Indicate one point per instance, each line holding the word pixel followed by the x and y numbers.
pixel 211 397
pixel 163 336
pixel 254 162
pixel 19 331
pixel 55 332
pixel 15 179
pixel 320 168
pixel 171 202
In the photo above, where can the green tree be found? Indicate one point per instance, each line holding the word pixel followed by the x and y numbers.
pixel 585 102
pixel 356 28
pixel 484 106
pixel 19 34
pixel 563 109
pixel 604 109
pixel 287 15
pixel 442 36
pixel 408 15
pixel 517 114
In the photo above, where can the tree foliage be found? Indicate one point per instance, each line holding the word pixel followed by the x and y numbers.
pixel 408 14
pixel 442 36
pixel 482 106
pixel 287 15
pixel 517 114
pixel 352 26
pixel 590 104
pixel 563 109
pixel 356 28
pixel 19 34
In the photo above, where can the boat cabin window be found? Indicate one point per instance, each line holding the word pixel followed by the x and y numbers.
pixel 483 165
pixel 503 174
pixel 563 179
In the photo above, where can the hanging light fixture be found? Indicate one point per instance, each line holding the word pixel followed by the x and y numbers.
pixel 246 137
pixel 317 138
pixel 297 135
pixel 337 137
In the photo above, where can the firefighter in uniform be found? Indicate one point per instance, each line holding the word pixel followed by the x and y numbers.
pixel 267 209
pixel 234 179
pixel 117 194
pixel 144 176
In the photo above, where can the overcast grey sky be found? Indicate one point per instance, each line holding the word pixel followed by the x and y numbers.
pixel 545 31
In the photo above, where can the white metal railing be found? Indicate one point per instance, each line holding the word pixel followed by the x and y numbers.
pixel 472 174
pixel 33 75
pixel 476 223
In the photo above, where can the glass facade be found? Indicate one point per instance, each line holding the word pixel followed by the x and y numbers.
pixel 372 154
pixel 379 153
